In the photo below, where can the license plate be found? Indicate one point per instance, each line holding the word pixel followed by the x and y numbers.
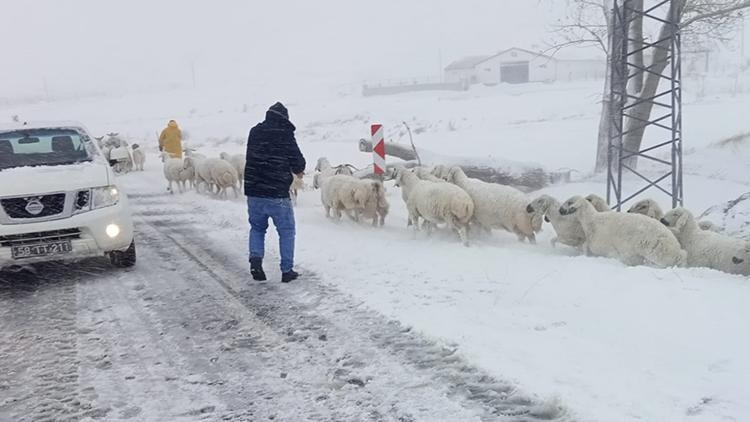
pixel 61 247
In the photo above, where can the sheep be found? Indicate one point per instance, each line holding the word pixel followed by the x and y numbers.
pixel 647 207
pixel 707 225
pixel 599 203
pixel 298 184
pixel 498 206
pixel 634 239
pixel 650 208
pixel 425 174
pixel 172 169
pixel 323 169
pixel 339 192
pixel 223 176
pixel 568 228
pixel 706 248
pixel 238 162
pixel 376 206
pixel 436 203
pixel 440 171
pixel 200 171
pixel 139 157
pixel 186 177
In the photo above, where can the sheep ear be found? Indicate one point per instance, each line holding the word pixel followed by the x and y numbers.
pixel 680 223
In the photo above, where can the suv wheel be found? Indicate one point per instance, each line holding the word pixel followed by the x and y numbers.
pixel 123 259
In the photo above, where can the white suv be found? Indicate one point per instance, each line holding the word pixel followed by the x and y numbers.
pixel 58 199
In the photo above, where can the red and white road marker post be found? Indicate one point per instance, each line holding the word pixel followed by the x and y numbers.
pixel 378 150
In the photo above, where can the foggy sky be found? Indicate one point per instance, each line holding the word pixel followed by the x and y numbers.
pixel 98 45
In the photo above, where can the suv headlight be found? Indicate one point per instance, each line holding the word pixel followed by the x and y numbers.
pixel 105 196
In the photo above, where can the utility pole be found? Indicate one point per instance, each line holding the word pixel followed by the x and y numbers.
pixel 46 88
pixel 440 64
pixel 742 39
pixel 192 71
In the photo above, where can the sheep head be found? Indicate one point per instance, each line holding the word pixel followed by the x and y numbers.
pixel 188 163
pixel 677 219
pixel 398 176
pixel 599 203
pixel 322 164
pixel 440 171
pixel 647 207
pixel 572 205
pixel 541 204
pixel 361 196
pixel 345 169
pixel 454 174
pixel 742 256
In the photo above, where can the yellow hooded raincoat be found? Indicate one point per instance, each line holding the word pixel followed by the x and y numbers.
pixel 170 140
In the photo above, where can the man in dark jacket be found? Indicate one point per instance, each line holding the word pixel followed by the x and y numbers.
pixel 272 157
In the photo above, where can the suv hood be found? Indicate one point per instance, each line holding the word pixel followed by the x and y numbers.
pixel 46 179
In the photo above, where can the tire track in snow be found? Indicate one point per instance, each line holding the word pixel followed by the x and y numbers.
pixel 363 341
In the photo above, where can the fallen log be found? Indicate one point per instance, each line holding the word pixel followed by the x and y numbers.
pixel 524 176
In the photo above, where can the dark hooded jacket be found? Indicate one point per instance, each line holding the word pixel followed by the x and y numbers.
pixel 272 156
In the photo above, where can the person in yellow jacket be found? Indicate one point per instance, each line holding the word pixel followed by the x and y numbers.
pixel 170 140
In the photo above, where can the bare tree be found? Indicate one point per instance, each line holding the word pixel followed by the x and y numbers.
pixel 591 22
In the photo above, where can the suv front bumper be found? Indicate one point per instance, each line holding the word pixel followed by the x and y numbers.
pixel 91 240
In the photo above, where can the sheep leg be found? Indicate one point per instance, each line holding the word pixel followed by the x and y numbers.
pixel 463 234
pixel 428 225
pixel 632 260
pixel 169 188
pixel 415 223
pixel 553 242
pixel 328 211
pixel 461 229
pixel 532 238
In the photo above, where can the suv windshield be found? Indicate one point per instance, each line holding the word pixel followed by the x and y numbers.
pixel 42 147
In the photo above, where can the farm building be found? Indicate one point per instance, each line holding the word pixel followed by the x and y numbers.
pixel 517 65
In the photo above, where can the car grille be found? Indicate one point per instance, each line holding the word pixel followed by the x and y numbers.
pixel 54 204
pixel 39 237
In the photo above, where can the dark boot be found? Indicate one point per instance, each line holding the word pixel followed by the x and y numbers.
pixel 256 269
pixel 289 276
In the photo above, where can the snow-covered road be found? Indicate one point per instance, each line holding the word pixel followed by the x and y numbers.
pixel 186 336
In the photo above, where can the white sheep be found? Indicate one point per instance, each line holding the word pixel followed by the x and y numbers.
pixel 647 207
pixel 223 176
pixel 139 157
pixel 200 170
pixel 426 174
pixel 568 228
pixel 172 169
pixel 436 203
pixel 238 162
pixel 706 248
pixel 339 193
pixel 599 203
pixel 186 177
pixel 634 239
pixel 440 171
pixel 650 208
pixel 298 184
pixel 498 206
pixel 323 169
pixel 376 206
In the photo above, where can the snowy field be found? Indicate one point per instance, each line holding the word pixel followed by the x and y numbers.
pixel 609 342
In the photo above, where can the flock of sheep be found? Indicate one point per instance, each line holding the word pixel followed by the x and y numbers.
pixel 211 174
pixel 645 235
pixel 123 157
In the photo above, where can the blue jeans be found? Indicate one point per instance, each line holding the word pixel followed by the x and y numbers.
pixel 282 213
